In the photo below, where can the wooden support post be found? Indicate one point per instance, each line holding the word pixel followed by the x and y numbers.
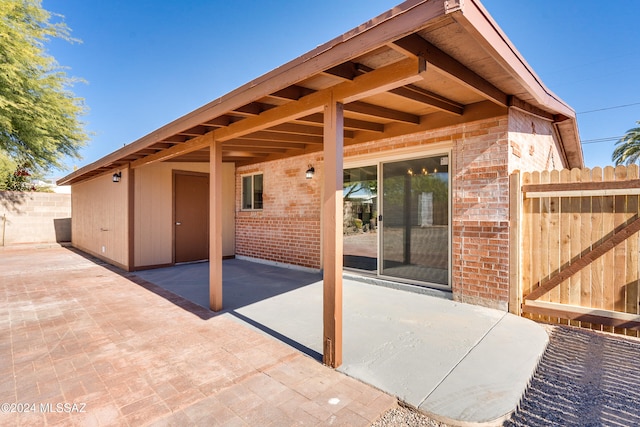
pixel 332 233
pixel 515 213
pixel 215 226
pixel 131 218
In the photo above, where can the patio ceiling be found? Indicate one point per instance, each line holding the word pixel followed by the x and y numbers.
pixel 423 65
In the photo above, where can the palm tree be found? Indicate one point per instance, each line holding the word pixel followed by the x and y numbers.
pixel 628 147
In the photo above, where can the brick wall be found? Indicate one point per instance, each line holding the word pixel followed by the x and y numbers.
pixel 34 218
pixel 480 227
pixel 287 229
pixel 533 145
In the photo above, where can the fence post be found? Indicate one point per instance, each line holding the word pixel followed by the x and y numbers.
pixel 515 242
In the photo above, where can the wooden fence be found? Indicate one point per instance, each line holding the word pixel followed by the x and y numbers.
pixel 577 257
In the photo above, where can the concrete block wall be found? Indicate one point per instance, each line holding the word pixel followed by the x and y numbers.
pixel 34 218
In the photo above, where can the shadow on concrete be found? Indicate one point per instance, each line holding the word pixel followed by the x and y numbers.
pixel 281 337
pixel 244 283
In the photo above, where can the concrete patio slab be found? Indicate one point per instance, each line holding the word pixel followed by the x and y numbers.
pixel 456 362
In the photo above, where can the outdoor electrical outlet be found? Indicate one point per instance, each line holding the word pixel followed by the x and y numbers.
pixel 103 249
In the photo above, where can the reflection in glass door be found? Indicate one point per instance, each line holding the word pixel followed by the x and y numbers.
pixel 360 226
pixel 415 220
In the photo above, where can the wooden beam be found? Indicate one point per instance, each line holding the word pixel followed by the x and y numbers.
pixel 584 186
pixel 332 234
pixel 254 149
pixel 585 193
pixel 422 96
pixel 612 241
pixel 248 144
pixel 380 80
pixel 429 98
pixel 417 46
pixel 298 129
pixel 243 154
pixel 515 102
pixel 436 120
pixel 215 226
pixel 348 123
pixel 175 151
pixel 381 112
pixel 583 314
pixel 377 81
pixel 284 137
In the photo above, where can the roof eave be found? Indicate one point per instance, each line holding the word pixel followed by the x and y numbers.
pixel 472 16
pixel 393 24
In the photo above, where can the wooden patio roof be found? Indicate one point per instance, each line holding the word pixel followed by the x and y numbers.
pixel 422 65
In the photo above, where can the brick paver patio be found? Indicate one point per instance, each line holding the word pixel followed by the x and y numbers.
pixel 82 344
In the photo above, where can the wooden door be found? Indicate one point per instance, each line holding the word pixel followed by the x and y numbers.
pixel 191 216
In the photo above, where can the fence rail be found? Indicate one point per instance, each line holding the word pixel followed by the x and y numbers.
pixel 577 257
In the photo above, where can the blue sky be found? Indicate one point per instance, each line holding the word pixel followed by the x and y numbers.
pixel 148 62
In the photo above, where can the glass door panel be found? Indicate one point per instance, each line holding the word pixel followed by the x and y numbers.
pixel 360 203
pixel 415 219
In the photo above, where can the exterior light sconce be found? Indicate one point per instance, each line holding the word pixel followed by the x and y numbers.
pixel 310 172
pixel 116 176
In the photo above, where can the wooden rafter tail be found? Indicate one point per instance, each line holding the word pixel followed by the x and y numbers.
pixel 562 275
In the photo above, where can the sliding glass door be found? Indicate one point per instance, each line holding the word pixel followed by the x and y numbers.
pixel 360 226
pixel 405 235
pixel 415 220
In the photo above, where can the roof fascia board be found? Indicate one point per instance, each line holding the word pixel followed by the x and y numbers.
pixel 382 79
pixel 408 17
pixel 475 19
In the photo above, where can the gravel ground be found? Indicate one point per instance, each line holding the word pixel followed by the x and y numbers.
pixel 402 416
pixel 585 378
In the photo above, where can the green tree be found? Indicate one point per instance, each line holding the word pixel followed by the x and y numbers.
pixel 627 149
pixel 39 115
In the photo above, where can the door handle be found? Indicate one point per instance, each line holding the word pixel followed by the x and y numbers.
pixel 178 223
